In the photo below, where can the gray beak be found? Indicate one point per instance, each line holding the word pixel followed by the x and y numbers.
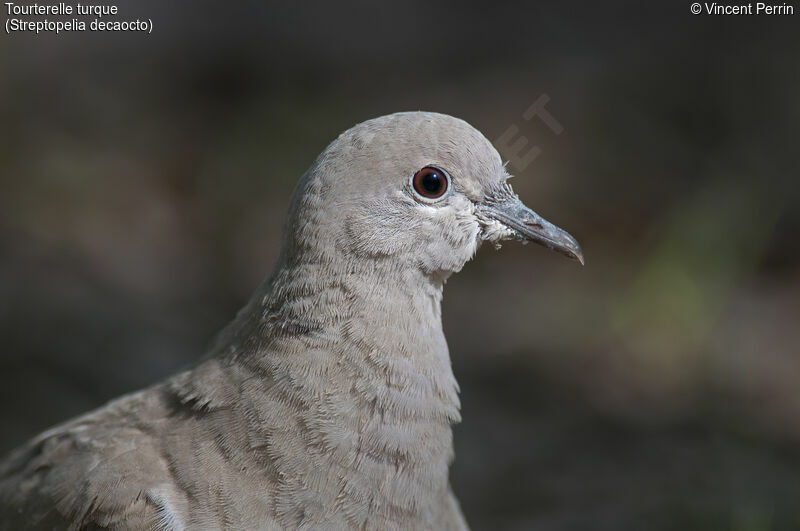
pixel 530 226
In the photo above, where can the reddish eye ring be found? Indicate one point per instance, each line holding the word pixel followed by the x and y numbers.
pixel 431 182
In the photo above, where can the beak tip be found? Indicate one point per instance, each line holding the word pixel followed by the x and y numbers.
pixel 579 254
pixel 576 254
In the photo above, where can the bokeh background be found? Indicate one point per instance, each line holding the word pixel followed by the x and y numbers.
pixel 144 180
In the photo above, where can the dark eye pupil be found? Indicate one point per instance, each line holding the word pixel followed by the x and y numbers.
pixel 430 182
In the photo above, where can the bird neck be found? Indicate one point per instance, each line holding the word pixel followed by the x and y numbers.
pixel 385 332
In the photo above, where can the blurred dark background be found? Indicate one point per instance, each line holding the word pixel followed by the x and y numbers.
pixel 145 179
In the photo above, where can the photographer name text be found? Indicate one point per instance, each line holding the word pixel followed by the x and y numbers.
pixel 758 8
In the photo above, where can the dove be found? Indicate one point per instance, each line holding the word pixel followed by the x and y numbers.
pixel 328 402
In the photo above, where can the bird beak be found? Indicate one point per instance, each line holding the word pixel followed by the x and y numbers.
pixel 529 226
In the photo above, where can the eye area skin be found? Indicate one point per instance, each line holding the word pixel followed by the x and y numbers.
pixel 431 182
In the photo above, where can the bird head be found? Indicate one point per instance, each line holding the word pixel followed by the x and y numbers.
pixel 421 189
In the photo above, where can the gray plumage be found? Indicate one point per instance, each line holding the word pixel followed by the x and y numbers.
pixel 328 401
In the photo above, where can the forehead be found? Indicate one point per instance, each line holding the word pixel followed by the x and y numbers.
pixel 399 144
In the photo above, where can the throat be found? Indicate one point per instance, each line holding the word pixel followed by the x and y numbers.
pixel 379 344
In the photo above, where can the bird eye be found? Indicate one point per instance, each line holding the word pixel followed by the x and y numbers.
pixel 430 182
